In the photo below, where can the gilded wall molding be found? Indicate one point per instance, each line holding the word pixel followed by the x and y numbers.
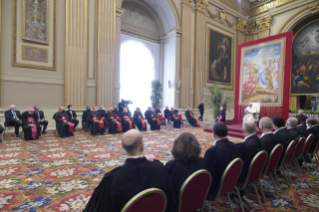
pixel 314 8
pixel 14 40
pixel 250 28
pixel 202 5
pixel 241 24
pixel 263 23
pixel 222 15
pixel 188 2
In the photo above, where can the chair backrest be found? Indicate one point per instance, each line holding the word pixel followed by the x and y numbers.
pixel 308 144
pixel 288 153
pixel 273 158
pixel 230 177
pixel 298 149
pixel 256 167
pixel 194 190
pixel 152 199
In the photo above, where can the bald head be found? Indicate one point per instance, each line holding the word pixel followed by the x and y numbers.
pixel 12 107
pixel 265 124
pixel 132 142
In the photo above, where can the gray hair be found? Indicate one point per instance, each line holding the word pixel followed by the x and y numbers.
pixel 300 111
pixel 249 127
pixel 266 122
pixel 292 122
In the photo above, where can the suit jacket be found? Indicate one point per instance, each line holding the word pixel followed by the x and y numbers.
pixel 9 116
pixel 87 115
pixel 218 157
pixel 295 135
pixel 315 131
pixel 166 113
pixel 41 114
pixel 102 113
pixel 247 151
pixel 73 114
pixel 303 131
pixel 201 107
pixel 301 118
pixel 269 141
pixel 284 138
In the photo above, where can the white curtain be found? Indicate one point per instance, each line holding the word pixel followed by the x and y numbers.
pixel 139 65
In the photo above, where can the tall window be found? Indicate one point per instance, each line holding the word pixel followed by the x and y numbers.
pixel 138 67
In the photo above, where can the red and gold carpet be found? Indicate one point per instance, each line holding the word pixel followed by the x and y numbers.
pixel 54 174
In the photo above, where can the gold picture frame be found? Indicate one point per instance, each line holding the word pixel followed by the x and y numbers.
pixel 41 15
pixel 14 41
pixel 34 54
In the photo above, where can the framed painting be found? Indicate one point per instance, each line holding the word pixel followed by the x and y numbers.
pixel 35 21
pixel 32 53
pixel 262 69
pixel 305 57
pixel 219 67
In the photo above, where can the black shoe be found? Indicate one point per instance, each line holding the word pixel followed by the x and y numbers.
pixel 18 136
pixel 44 132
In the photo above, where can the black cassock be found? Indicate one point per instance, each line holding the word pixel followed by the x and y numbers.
pixel 155 123
pixel 139 121
pixel 103 115
pixel 61 126
pixel 113 125
pixel 86 117
pixel 166 113
pixel 25 125
pixel 95 124
pixel 221 116
pixel 192 120
pixel 174 118
pixel 127 122
pixel 122 183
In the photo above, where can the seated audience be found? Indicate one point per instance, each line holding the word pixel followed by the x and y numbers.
pixel 302 130
pixel 152 119
pixel 161 118
pixel 192 120
pixel 64 124
pixel 301 117
pixel 281 133
pixel 115 112
pixel 86 118
pixel 96 122
pixel 250 146
pixel 137 174
pixel 12 117
pixel 174 118
pixel 267 138
pixel 41 118
pixel 291 125
pixel 139 120
pixel 127 121
pixel 102 113
pixel 114 125
pixel 166 113
pixel 313 129
pixel 221 115
pixel 186 151
pixel 158 110
pixel 72 114
pixel 1 131
pixel 219 155
pixel 30 125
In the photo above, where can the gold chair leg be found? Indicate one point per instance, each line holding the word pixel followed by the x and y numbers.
pixel 230 203
pixel 277 181
pixel 316 157
pixel 208 206
pixel 258 196
pixel 273 182
pixel 297 167
pixel 284 173
pixel 288 174
pixel 262 191
pixel 240 201
pixel 304 160
pixel 313 165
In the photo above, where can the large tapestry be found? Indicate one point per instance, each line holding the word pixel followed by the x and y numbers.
pixel 305 57
pixel 262 73
pixel 220 60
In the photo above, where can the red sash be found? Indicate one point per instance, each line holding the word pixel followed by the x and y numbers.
pixel 143 122
pixel 196 119
pixel 101 123
pixel 129 121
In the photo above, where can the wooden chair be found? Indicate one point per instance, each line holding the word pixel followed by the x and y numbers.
pixel 297 154
pixel 228 181
pixel 271 165
pixel 152 199
pixel 254 173
pixel 194 190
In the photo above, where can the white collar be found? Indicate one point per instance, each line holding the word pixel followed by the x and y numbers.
pixel 248 136
pixel 135 157
pixel 279 129
pixel 265 134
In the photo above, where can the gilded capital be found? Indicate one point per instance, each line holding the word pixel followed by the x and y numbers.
pixel 314 8
pixel 264 23
pixel 250 28
pixel 241 23
pixel 202 5
pixel 188 2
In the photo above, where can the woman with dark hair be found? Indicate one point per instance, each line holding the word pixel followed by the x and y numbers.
pixel 186 151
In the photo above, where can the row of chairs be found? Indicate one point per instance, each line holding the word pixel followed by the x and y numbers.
pixel 193 193
pixel 10 127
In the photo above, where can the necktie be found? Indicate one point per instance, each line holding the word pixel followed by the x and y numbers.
pixel 14 115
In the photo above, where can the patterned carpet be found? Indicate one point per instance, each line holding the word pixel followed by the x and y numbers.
pixel 54 174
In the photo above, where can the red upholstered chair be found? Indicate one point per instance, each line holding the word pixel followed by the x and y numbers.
pixel 313 153
pixel 271 165
pixel 228 181
pixel 194 191
pixel 254 173
pixel 306 148
pixel 152 199
pixel 297 154
pixel 283 165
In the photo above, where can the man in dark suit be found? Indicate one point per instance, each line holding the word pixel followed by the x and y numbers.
pixel 137 174
pixel 291 125
pixel 281 133
pixel 250 146
pixel 41 117
pixel 13 117
pixel 267 138
pixel 301 117
pixel 313 129
pixel 220 155
pixel 302 130
pixel 72 114
pixel 86 118
pixel 201 111
pixel 102 113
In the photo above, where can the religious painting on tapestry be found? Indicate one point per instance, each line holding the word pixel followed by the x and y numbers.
pixel 219 61
pixel 262 73
pixel 35 23
pixel 305 60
